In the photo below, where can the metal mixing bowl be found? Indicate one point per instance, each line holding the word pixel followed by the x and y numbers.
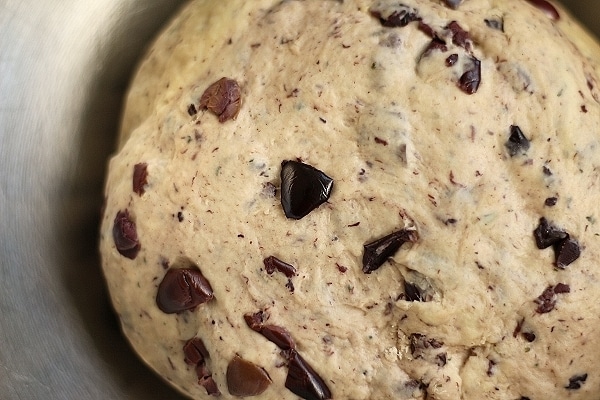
pixel 64 66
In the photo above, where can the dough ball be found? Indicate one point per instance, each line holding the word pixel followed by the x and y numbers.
pixel 362 200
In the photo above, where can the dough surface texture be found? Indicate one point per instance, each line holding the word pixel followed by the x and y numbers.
pixel 463 128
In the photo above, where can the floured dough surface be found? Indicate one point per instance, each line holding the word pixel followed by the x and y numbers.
pixel 465 128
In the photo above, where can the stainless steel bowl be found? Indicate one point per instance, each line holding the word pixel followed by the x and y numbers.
pixel 64 66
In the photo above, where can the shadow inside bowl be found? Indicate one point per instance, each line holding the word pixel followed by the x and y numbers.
pixel 82 274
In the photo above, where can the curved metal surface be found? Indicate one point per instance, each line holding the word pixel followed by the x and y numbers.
pixel 64 66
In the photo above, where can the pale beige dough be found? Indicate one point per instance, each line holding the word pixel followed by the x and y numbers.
pixel 325 82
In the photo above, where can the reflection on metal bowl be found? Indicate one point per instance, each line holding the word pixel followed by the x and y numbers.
pixel 64 66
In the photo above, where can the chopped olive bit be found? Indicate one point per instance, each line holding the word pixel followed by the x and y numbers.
pixel 471 79
pixel 453 3
pixel 192 110
pixel 278 335
pixel 377 252
pixel 529 336
pixel 566 249
pixel 245 378
pixel 195 351
pixel 547 8
pixel 546 234
pixel 182 289
pixel 273 264
pixel 256 320
pixel 576 381
pixel 196 354
pixel 208 383
pixel 125 235
pixel 413 292
pixel 562 288
pixel 547 300
pixel 460 37
pixel 398 18
pixel 140 178
pixel 303 380
pixel 273 333
pixel 428 30
pixel 497 24
pixel 451 59
pixel 435 44
pixel 517 142
pixel 222 98
pixel 303 188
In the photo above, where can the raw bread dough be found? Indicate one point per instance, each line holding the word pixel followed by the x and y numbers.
pixel 414 141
